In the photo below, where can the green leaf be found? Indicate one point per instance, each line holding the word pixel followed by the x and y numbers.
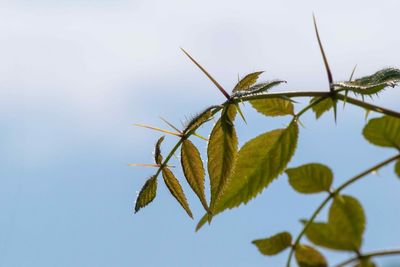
pixel 321 107
pixel 193 169
pixel 221 152
pixel 199 119
pixel 345 227
pixel 374 83
pixel 247 81
pixel 397 168
pixel 383 131
pixel 310 178
pixel 273 106
pixel 157 152
pixel 274 244
pixel 307 256
pixel 259 161
pixel 147 194
pixel 176 189
pixel 258 88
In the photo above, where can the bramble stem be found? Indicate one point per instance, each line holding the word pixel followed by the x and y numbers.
pixel 331 195
pixel 370 255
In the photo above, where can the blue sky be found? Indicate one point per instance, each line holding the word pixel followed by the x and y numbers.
pixel 75 76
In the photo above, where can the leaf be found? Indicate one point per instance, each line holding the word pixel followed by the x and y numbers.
pixel 147 193
pixel 247 81
pixel 273 106
pixel 176 190
pixel 259 161
pixel 199 119
pixel 321 107
pixel 307 256
pixel 310 178
pixel 383 131
pixel 345 227
pixel 157 152
pixel 221 152
pixel 397 168
pixel 258 88
pixel 193 169
pixel 374 83
pixel 274 244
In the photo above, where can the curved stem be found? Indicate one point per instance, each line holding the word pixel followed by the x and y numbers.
pixel 331 195
pixel 378 253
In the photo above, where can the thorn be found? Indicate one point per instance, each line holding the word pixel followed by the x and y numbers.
pixel 328 70
pixel 201 137
pixel 220 88
pixel 170 125
pixel 352 73
pixel 157 129
pixel 240 112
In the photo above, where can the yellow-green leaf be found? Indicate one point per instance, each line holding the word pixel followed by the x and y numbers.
pixel 147 193
pixel 365 263
pixel 345 227
pixel 310 178
pixel 307 256
pixel 397 168
pixel 321 107
pixel 247 81
pixel 259 161
pixel 221 152
pixel 193 169
pixel 157 152
pixel 274 244
pixel 273 106
pixel 383 131
pixel 176 189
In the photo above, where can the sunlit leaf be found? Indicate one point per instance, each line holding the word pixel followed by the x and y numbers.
pixel 147 193
pixel 310 178
pixel 258 88
pixel 193 169
pixel 374 83
pixel 259 161
pixel 273 106
pixel 321 107
pixel 345 227
pixel 274 244
pixel 247 81
pixel 176 189
pixel 157 152
pixel 199 119
pixel 397 168
pixel 383 131
pixel 221 152
pixel 307 256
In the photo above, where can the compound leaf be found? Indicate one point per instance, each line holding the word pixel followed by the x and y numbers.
pixel 248 80
pixel 176 189
pixel 273 106
pixel 221 152
pixel 274 244
pixel 310 178
pixel 383 131
pixel 259 161
pixel 374 83
pixel 307 256
pixel 193 169
pixel 147 193
pixel 321 107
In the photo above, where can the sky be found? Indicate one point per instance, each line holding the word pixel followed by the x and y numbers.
pixel 75 75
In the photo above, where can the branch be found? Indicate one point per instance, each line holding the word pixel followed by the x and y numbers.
pixel 331 195
pixel 370 255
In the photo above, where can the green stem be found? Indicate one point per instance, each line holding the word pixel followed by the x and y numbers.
pixel 332 195
pixel 370 255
